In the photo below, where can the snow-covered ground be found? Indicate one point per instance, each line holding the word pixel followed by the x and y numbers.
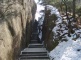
pixel 65 50
pixel 70 50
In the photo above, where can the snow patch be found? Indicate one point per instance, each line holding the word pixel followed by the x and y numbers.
pixel 70 50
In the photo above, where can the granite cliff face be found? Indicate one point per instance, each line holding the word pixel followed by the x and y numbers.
pixel 48 25
pixel 16 17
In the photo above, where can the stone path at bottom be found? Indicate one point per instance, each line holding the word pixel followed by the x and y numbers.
pixel 35 51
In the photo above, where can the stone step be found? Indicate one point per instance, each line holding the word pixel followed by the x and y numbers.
pixel 34 50
pixel 35 46
pixel 35 33
pixel 34 54
pixel 34 37
pixel 34 57
pixel 34 41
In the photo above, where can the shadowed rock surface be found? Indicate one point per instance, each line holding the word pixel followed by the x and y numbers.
pixel 48 25
pixel 16 18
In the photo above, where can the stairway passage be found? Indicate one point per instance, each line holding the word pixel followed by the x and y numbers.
pixel 35 50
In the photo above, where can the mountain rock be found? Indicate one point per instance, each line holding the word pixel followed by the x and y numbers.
pixel 16 18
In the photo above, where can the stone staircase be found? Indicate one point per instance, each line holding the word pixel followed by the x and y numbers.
pixel 35 51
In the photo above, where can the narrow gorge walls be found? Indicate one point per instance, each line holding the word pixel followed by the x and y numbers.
pixel 51 20
pixel 16 18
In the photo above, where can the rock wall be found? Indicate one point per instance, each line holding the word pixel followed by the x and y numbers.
pixel 48 25
pixel 16 18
